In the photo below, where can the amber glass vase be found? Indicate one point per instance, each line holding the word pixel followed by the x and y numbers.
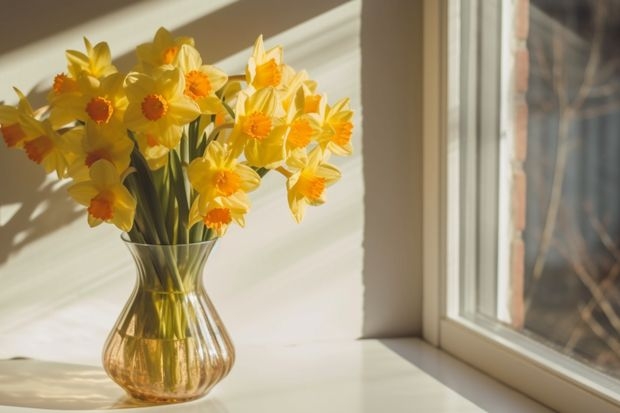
pixel 169 344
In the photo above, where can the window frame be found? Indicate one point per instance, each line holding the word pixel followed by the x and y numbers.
pixel 541 373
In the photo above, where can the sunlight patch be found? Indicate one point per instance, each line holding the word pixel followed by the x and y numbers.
pixel 8 211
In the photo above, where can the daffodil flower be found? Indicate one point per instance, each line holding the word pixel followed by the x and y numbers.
pixel 259 128
pixel 94 144
pixel 158 105
pixel 10 126
pixel 264 69
pixel 154 152
pixel 99 101
pixel 105 196
pixel 303 128
pixel 63 85
pixel 220 212
pixel 44 146
pixel 201 81
pixel 96 62
pixel 307 101
pixel 163 50
pixel 291 87
pixel 307 185
pixel 208 136
pixel 337 129
pixel 218 174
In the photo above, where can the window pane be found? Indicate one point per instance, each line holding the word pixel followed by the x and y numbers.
pixel 572 236
pixel 540 126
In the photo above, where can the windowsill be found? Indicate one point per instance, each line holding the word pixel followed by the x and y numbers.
pixel 338 376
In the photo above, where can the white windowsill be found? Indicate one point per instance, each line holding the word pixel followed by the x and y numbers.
pixel 393 375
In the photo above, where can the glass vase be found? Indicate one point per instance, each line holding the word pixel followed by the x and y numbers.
pixel 169 344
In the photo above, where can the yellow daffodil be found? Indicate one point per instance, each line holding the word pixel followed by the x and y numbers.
pixel 99 101
pixel 65 89
pixel 163 50
pixel 154 152
pixel 208 136
pixel 337 129
pixel 307 185
pixel 10 126
pixel 158 105
pixel 264 69
pixel 107 199
pixel 259 128
pixel 218 174
pixel 220 212
pixel 45 146
pixel 94 144
pixel 288 80
pixel 307 101
pixel 201 81
pixel 302 129
pixel 291 87
pixel 96 62
pixel 63 84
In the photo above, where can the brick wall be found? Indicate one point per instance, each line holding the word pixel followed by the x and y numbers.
pixel 519 179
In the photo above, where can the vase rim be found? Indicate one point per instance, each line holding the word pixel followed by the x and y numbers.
pixel 126 240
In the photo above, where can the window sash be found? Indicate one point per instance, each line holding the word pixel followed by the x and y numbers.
pixel 538 371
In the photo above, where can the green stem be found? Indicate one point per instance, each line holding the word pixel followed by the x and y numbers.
pixel 146 192
pixel 261 171
pixel 217 129
pixel 229 109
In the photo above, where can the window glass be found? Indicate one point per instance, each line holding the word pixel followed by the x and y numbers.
pixel 540 168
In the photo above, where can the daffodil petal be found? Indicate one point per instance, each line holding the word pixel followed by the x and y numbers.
pixel 184 110
pixel 82 192
pixel 103 174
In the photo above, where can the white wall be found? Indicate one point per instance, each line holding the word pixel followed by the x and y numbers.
pixel 62 284
pixel 392 100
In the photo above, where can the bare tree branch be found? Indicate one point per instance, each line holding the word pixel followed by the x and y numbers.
pixel 588 310
pixel 601 110
pixel 612 342
pixel 592 286
pixel 567 110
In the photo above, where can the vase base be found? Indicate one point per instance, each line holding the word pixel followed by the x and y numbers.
pixel 149 399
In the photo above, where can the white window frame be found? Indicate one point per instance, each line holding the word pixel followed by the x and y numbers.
pixel 541 373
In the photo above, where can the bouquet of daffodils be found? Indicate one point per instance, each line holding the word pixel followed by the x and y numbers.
pixel 169 151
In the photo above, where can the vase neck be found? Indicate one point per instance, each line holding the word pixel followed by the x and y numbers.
pixel 171 268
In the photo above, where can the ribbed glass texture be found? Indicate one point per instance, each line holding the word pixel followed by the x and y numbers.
pixel 169 344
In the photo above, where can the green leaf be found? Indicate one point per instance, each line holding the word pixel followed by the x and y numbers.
pixel 147 193
pixel 207 234
pixel 261 171
pixel 196 232
pixel 179 186
pixel 202 146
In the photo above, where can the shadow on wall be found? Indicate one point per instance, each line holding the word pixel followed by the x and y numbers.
pixel 33 206
pixel 44 19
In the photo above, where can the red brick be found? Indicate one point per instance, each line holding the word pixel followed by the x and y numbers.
pixel 518 200
pixel 517 250
pixel 521 132
pixel 522 23
pixel 517 308
pixel 522 61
